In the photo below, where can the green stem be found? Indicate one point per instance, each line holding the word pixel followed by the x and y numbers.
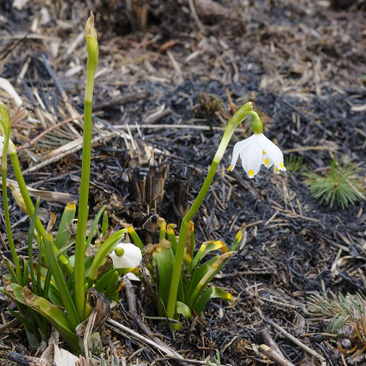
pixel 30 208
pixel 92 63
pixel 238 117
pixel 83 213
pixel 24 191
pixel 6 210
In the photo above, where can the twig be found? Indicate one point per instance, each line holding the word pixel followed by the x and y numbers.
pixel 269 341
pixel 274 356
pixel 119 328
pixel 64 97
pixel 131 296
pixel 131 299
pixel 296 341
pixel 195 16
pixel 25 360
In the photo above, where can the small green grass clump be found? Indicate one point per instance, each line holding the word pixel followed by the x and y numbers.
pixel 294 163
pixel 340 185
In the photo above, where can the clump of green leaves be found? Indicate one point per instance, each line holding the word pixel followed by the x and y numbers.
pixel 294 163
pixel 59 288
pixel 347 316
pixel 337 305
pixel 195 289
pixel 340 184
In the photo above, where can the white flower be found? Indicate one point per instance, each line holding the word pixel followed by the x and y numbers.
pixel 11 148
pixel 126 255
pixel 257 150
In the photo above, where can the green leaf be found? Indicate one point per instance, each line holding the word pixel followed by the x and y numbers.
pixel 171 236
pixel 112 286
pixel 30 246
pixel 14 277
pixel 211 293
pixel 104 280
pixel 103 251
pixel 190 245
pixel 136 239
pixel 31 331
pixel 54 315
pixel 206 248
pixel 95 225
pixel 63 232
pixel 62 286
pixel 184 310
pixel 164 259
pixel 105 223
pixel 25 274
pixel 238 239
pixel 51 312
pixel 204 275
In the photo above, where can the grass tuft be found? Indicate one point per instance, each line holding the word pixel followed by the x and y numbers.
pixel 340 185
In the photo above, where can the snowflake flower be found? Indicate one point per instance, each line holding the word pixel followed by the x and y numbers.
pixel 126 255
pixel 255 151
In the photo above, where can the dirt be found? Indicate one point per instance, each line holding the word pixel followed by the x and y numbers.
pixel 302 65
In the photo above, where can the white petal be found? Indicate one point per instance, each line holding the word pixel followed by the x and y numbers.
pixel 266 161
pixel 131 258
pixel 132 277
pixel 272 151
pixel 251 158
pixel 238 147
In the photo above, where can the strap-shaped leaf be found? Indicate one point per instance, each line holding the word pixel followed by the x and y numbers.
pixel 190 245
pixel 206 248
pixel 164 259
pixel 211 293
pixel 112 286
pixel 104 249
pixel 51 312
pixel 136 239
pixel 95 224
pixel 205 276
pixel 171 236
pixel 60 281
pixel 104 280
pixel 63 232
pixel 239 238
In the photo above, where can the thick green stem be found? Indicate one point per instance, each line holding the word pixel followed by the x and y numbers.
pixel 92 44
pixel 238 117
pixel 79 269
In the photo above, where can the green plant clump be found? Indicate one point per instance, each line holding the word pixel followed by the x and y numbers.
pixel 294 163
pixel 340 185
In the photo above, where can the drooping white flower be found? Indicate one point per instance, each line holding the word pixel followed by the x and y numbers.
pixel 126 255
pixel 255 151
pixel 11 147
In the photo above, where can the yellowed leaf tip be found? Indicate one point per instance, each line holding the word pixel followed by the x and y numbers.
pixel 89 27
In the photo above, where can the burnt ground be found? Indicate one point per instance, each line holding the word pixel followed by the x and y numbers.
pixel 164 92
